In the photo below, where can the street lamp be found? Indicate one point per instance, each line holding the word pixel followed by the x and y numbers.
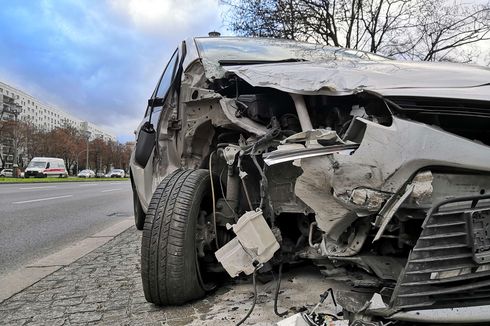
pixel 87 135
pixel 15 109
pixel 78 154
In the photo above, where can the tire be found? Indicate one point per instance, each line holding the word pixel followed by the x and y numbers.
pixel 139 214
pixel 169 266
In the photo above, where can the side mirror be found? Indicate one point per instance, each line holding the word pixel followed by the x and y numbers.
pixel 155 102
pixel 144 144
pixel 47 166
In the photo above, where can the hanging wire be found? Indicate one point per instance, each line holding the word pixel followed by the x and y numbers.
pixel 255 296
pixel 276 294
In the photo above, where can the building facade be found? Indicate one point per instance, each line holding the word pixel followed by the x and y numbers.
pixel 42 115
pixel 20 106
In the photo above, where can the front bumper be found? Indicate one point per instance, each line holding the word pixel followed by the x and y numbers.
pixel 33 174
pixel 447 275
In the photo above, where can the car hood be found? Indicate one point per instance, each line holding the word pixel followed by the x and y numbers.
pixel 389 77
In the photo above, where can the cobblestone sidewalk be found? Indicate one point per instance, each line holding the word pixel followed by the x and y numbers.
pixel 104 287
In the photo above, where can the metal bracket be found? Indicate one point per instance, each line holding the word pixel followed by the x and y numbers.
pixel 230 152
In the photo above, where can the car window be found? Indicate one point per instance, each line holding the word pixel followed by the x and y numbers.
pixel 166 79
pixel 36 164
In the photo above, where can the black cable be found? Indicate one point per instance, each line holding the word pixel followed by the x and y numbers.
pixel 255 297
pixel 332 296
pixel 276 294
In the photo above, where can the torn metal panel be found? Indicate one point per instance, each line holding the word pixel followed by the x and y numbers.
pixel 315 134
pixel 229 108
pixel 313 188
pixel 285 155
pixel 389 155
pixel 386 214
pixel 347 241
pixel 347 77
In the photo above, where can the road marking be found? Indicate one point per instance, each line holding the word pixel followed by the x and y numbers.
pixel 110 190
pixel 88 184
pixel 31 188
pixel 40 199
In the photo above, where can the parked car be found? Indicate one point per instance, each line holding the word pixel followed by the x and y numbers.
pixel 43 167
pixel 6 173
pixel 266 152
pixel 86 174
pixel 116 173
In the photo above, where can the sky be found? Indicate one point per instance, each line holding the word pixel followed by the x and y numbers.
pixel 98 60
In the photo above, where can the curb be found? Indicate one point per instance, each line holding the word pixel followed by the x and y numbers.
pixel 16 281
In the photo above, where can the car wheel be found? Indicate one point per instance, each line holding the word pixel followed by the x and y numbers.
pixel 139 214
pixel 170 268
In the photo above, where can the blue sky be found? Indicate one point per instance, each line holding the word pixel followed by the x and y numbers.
pixel 98 60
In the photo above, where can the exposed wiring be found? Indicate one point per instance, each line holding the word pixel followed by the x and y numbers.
pixel 213 200
pixel 323 296
pixel 242 175
pixel 276 294
pixel 263 181
pixel 247 195
pixel 255 295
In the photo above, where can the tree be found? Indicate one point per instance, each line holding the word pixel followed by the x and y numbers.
pixel 416 29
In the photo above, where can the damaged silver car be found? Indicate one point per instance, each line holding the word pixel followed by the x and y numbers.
pixel 260 152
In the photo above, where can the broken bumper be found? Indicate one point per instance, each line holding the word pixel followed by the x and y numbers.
pixel 447 275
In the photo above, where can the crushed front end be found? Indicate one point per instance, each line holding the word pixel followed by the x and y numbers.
pixel 385 192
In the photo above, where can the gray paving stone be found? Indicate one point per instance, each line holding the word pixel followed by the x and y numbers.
pixel 85 317
pixel 104 288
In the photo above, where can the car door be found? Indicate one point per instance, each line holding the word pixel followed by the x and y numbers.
pixel 147 177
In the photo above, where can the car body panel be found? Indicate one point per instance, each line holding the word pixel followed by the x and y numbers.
pixel 385 78
pixel 351 161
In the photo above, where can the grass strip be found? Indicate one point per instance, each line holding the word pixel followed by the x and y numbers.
pixel 48 179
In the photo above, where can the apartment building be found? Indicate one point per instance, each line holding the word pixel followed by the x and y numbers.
pixel 16 104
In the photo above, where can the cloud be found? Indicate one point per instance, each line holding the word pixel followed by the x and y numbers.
pixel 98 60
pixel 170 16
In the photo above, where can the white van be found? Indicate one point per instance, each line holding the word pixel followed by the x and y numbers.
pixel 42 167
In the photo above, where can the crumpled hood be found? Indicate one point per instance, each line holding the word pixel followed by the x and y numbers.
pixel 388 77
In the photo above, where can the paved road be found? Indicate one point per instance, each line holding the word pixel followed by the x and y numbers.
pixel 38 219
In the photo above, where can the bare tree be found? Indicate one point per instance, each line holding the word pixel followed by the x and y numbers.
pixel 445 28
pixel 416 29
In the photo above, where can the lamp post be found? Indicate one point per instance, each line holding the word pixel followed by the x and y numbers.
pixel 78 155
pixel 87 136
pixel 14 109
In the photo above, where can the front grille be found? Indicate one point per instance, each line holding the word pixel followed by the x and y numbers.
pixel 445 268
